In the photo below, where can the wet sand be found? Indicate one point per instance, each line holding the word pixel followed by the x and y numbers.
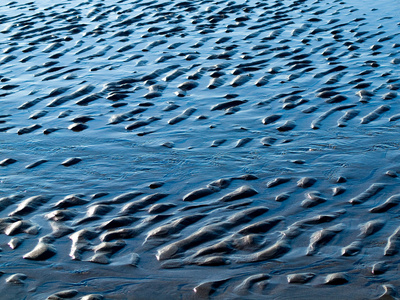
pixel 194 150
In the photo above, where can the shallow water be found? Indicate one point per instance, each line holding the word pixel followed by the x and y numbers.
pixel 257 140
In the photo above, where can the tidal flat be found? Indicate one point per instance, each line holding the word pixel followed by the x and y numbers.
pixel 199 149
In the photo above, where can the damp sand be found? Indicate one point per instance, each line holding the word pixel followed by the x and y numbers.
pixel 194 150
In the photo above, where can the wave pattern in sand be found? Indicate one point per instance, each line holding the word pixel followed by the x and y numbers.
pixel 199 149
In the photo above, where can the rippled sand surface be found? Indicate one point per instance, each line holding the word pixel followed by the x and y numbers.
pixel 199 149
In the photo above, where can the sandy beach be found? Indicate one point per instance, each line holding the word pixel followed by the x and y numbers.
pixel 199 149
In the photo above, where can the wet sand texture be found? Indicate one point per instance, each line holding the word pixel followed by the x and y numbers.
pixel 199 149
